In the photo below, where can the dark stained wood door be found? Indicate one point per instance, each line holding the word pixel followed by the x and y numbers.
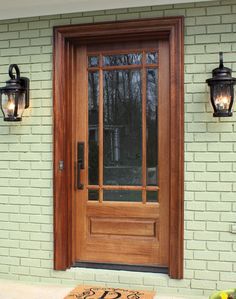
pixel 121 151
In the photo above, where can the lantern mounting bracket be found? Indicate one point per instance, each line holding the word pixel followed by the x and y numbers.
pixel 25 82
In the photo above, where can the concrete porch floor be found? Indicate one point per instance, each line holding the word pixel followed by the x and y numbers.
pixel 21 290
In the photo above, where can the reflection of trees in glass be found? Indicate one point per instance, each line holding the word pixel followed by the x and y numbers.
pixel 123 110
pixel 151 115
pixel 93 96
pixel 93 162
pixel 93 61
pixel 122 127
pixel 93 87
pixel 151 58
pixel 122 59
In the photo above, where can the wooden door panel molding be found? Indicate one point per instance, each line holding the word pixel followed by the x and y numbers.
pixel 66 38
pixel 122 227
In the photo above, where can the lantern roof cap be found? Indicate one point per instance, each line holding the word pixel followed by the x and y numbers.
pixel 12 85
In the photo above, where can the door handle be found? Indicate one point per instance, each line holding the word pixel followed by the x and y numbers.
pixel 80 163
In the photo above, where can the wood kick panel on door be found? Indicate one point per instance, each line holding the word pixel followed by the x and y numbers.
pixel 133 233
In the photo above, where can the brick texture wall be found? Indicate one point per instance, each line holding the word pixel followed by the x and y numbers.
pixel 26 209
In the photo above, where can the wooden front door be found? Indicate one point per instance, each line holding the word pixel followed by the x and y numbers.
pixel 121 213
pixel 118 145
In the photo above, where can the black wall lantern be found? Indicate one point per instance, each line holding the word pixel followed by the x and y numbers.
pixel 14 97
pixel 222 90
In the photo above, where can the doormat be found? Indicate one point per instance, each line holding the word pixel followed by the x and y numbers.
pixel 89 292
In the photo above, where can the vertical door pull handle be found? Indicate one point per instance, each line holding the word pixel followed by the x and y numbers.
pixel 80 163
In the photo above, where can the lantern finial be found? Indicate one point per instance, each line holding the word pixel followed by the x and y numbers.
pixel 221 60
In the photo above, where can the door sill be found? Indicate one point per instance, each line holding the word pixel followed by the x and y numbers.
pixel 135 268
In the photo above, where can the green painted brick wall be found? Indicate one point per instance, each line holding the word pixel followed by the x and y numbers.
pixel 26 203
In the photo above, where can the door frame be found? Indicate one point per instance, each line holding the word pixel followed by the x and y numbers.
pixel 64 92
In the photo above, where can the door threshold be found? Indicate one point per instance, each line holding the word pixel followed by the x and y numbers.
pixel 108 266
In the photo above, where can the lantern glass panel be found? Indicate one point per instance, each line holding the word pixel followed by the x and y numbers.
pixel 9 102
pixel 21 103
pixel 222 96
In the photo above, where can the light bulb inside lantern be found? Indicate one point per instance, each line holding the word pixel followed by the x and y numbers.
pixel 9 106
pixel 222 102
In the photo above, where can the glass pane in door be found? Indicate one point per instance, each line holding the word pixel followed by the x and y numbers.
pixel 93 61
pixel 152 196
pixel 122 195
pixel 93 96
pixel 151 57
pixel 151 118
pixel 93 195
pixel 122 59
pixel 122 127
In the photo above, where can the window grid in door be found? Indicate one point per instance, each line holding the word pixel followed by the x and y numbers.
pixel 140 63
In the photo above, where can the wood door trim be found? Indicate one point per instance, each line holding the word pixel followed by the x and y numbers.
pixel 100 131
pixel 123 187
pixel 65 38
pixel 144 128
pixel 123 67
